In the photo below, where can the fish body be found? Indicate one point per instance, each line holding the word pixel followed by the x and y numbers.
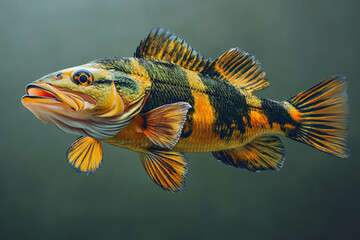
pixel 168 100
pixel 221 117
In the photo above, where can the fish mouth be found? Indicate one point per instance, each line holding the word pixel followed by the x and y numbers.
pixel 50 94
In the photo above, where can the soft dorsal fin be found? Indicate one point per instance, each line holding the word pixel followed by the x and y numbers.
pixel 240 69
pixel 161 45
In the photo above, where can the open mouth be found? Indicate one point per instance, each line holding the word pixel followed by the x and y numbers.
pixel 38 91
pixel 49 94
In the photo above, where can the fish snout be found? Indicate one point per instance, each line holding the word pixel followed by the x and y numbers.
pixel 49 94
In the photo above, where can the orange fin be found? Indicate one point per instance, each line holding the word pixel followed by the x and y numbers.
pixel 262 153
pixel 85 155
pixel 163 46
pixel 240 69
pixel 163 124
pixel 166 169
pixel 323 114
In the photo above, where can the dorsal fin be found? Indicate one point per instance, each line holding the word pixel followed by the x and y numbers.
pixel 235 66
pixel 164 46
pixel 240 69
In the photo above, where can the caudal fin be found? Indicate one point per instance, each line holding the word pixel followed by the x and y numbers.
pixel 322 111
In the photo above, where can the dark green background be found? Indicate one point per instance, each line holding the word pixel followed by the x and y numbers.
pixel 299 43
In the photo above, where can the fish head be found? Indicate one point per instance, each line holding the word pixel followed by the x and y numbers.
pixel 86 100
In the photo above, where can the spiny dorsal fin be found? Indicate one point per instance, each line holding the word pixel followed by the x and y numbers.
pixel 240 69
pixel 260 154
pixel 164 46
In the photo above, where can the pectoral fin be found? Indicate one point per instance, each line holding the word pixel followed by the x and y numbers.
pixel 261 154
pixel 163 124
pixel 166 169
pixel 85 155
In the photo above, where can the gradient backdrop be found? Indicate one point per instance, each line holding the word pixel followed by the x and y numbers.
pixel 299 43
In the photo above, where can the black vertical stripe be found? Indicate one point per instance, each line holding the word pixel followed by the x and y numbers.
pixel 277 113
pixel 169 84
pixel 229 106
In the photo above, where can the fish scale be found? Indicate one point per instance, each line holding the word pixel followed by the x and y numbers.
pixel 168 100
pixel 215 124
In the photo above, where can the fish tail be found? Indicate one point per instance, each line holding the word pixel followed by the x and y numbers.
pixel 321 113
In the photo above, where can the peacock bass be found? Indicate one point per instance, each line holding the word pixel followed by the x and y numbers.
pixel 168 100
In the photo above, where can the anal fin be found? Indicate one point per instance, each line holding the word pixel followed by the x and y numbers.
pixel 166 169
pixel 85 155
pixel 262 153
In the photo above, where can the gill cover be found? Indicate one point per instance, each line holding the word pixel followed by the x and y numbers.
pixel 109 122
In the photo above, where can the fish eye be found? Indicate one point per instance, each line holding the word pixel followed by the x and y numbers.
pixel 82 78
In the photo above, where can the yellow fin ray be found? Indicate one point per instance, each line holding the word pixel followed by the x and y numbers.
pixel 166 169
pixel 240 69
pixel 85 155
pixel 260 154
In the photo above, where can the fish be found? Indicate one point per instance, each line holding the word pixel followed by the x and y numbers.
pixel 168 100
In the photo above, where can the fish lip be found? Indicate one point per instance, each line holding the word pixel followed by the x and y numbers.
pixel 42 88
pixel 75 100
